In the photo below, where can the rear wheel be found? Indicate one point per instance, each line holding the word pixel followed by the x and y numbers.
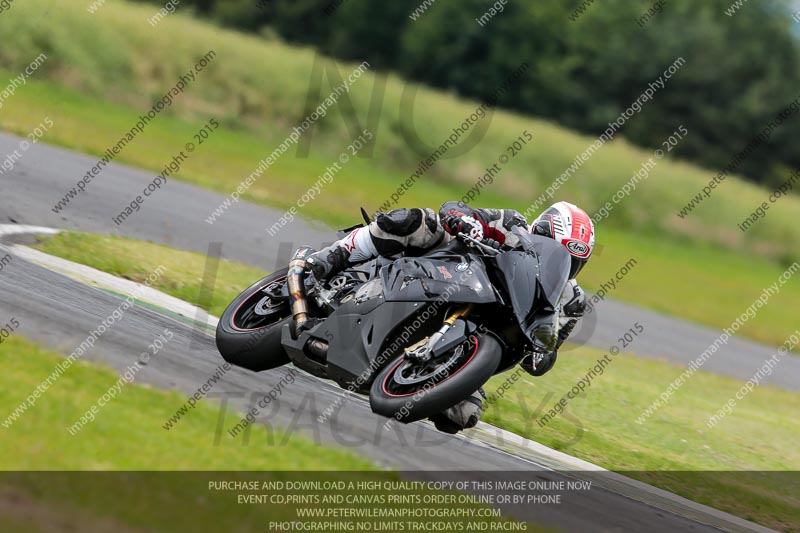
pixel 249 331
pixel 410 390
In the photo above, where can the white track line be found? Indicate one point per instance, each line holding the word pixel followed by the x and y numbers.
pixel 21 229
pixel 96 278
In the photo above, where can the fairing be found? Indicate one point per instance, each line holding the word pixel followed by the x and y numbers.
pixel 426 279
pixel 534 279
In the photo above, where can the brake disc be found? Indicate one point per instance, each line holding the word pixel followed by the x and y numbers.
pixel 416 377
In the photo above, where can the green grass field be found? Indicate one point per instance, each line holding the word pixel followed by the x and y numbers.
pixel 756 436
pixel 599 426
pixel 136 260
pixel 39 438
pixel 127 436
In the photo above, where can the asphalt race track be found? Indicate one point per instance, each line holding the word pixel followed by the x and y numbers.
pixel 59 312
pixel 175 215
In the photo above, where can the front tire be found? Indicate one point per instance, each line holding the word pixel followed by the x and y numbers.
pixel 249 331
pixel 391 398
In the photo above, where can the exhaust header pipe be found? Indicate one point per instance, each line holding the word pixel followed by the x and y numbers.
pixel 294 279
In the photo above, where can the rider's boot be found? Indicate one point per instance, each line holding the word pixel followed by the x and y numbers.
pixel 538 364
pixel 463 415
pixel 355 247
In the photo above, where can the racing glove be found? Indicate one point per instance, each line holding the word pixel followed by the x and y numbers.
pixel 492 243
pixel 455 224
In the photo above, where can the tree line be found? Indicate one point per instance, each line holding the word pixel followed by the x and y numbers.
pixel 589 61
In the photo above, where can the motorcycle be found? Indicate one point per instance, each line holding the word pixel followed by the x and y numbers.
pixel 417 335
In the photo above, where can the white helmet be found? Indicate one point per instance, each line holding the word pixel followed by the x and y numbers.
pixel 572 227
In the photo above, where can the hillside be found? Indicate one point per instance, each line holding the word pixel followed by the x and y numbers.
pixel 261 86
pixel 700 267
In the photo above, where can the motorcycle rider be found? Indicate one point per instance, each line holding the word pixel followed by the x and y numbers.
pixel 415 231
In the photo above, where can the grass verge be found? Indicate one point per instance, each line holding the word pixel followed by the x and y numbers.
pixel 135 260
pixel 127 436
pixel 600 425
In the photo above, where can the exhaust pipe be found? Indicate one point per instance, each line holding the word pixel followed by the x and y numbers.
pixel 294 279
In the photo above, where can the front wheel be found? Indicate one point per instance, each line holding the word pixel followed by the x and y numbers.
pixel 249 331
pixel 408 390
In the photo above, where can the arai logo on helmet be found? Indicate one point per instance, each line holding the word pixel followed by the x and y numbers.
pixel 579 248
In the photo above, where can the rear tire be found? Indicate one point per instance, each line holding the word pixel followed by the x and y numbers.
pixel 412 405
pixel 251 339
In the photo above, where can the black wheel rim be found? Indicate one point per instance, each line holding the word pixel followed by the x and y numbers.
pixel 409 377
pixel 262 308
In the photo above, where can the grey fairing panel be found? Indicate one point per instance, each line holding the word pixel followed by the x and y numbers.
pixel 520 271
pixel 554 265
pixel 425 279
pixel 535 279
pixel 356 333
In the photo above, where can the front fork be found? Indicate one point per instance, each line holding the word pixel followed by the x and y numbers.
pixel 424 349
